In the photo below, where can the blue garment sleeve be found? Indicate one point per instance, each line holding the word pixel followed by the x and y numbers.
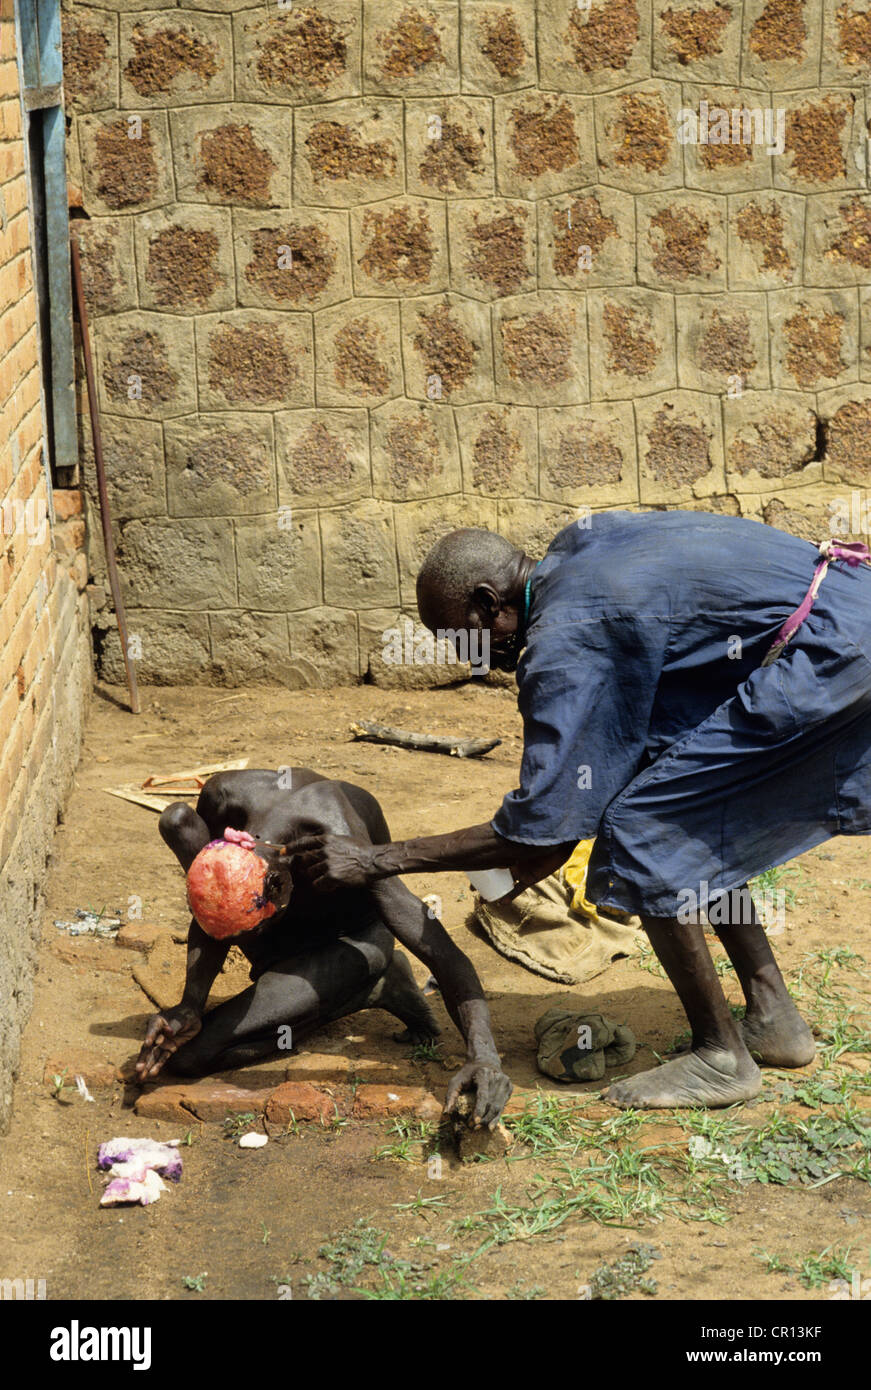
pixel 586 691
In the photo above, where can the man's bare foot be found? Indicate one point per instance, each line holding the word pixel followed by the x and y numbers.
pixel 778 1037
pixel 709 1077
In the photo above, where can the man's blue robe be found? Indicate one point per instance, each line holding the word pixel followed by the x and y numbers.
pixel 650 723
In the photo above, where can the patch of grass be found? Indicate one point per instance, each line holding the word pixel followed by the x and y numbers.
pixel 814 1270
pixel 426 1052
pixel 195 1282
pixel 234 1126
pixel 518 1293
pixel 359 1261
pixel 810 1152
pixel 412 1136
pixel 624 1276
pixel 59 1084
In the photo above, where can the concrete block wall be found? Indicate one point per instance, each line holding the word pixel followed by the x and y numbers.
pixel 45 645
pixel 360 272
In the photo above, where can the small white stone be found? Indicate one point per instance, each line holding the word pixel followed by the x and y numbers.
pixel 253 1141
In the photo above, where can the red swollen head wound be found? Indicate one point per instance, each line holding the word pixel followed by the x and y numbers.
pixel 225 886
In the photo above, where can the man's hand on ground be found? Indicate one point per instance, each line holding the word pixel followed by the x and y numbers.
pixel 492 1089
pixel 334 861
pixel 166 1033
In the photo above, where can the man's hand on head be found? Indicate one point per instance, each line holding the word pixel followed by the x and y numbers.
pixel 329 862
pixel 166 1033
pixel 492 1089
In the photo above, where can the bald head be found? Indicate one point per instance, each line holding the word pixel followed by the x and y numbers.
pixel 457 567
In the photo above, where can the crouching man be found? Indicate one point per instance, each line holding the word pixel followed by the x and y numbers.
pixel 314 958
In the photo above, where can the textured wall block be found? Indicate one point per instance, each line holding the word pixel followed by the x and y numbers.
pixel 135 474
pixel 279 562
pixel 865 333
pixel 399 247
pixel 220 465
pixel 409 48
pixel 729 138
pixel 178 564
pixel 295 261
pixel 814 513
pixel 447 349
pixel 595 49
pixel 492 247
pixel 382 630
pixel 586 238
pixel 322 453
pixel 680 446
pixel 359 556
pixel 766 240
pixel 449 147
pixel 358 353
pixel 846 41
pixel 636 138
pixel 305 52
pixel 414 451
pixel 125 162
pixel 90 59
pixel 252 359
pixel 327 638
pixel 420 524
pixel 847 413
pixel 770 435
pixel 825 141
pixel 588 455
pixel 682 241
pixel 532 525
pixel 497 46
pixel 781 43
pixel 498 449
pixel 697 41
pixel 233 154
pixel 838 248
pixel 184 255
pixel 632 346
pixel 175 59
pixel 248 647
pixel 544 143
pixel 146 365
pixel 540 349
pixel 108 264
pixel 722 343
pixel 175 648
pixel 348 152
pixel 814 338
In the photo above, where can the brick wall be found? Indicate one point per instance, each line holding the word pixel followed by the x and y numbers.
pixel 44 640
pixel 360 273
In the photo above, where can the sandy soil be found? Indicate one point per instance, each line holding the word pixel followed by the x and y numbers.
pixel 255 1219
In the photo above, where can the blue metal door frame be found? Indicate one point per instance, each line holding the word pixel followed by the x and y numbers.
pixel 41 70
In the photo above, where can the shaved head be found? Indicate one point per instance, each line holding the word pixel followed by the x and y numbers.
pixel 473 581
pixel 456 567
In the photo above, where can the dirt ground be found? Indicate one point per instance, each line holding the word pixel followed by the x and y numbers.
pixel 253 1221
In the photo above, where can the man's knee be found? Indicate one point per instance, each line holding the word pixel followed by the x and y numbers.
pixel 177 821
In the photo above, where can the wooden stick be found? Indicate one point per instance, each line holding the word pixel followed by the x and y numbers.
pixel 105 512
pixel 425 743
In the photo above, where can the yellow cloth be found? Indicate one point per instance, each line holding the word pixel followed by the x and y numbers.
pixel 574 871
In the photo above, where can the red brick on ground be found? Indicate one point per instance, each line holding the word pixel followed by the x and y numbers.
pixel 138 936
pixel 96 1071
pixel 379 1102
pixel 297 1100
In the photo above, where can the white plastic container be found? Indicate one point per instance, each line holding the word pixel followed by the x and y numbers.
pixel 491 883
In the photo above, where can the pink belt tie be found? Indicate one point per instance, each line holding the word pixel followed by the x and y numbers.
pixel 854 552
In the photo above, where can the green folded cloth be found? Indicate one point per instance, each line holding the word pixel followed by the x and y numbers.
pixel 578 1047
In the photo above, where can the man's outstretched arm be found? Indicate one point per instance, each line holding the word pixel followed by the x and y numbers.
pixel 341 861
pixel 415 927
